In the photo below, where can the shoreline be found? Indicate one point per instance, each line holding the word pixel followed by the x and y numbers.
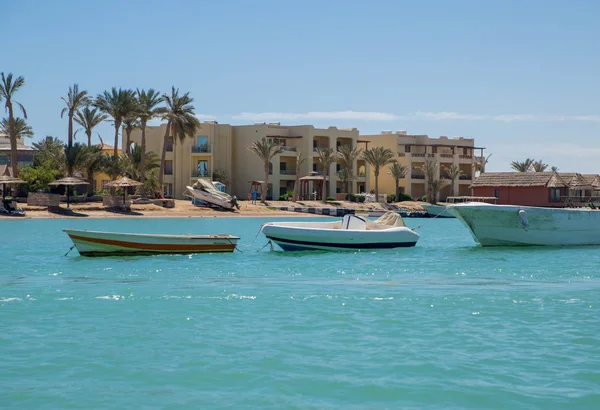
pixel 185 209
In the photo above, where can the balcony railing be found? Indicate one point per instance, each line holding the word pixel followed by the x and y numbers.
pixel 577 199
pixel 200 174
pixel 288 149
pixel 287 172
pixel 321 148
pixel 465 177
pixel 201 148
pixel 447 155
pixel 402 154
pixel 418 155
pixel 465 156
pixel 431 155
pixel 417 175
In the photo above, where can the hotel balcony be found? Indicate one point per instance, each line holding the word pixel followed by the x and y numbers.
pixel 418 155
pixel 417 175
pixel 287 173
pixel 201 149
pixel 287 150
pixel 446 155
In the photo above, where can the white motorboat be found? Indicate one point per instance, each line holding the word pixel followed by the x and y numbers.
pixel 206 191
pixel 352 232
pixel 437 211
pixel 512 225
pixel 96 243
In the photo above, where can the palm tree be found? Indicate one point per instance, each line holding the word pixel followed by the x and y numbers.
pixel 453 172
pixel 299 161
pixel 8 88
pixel 134 162
pixel 129 123
pixel 434 184
pixel 480 165
pixel 118 104
pixel 398 171
pixel 524 166
pixel 92 158
pixel 265 149
pixel 21 128
pixel 327 157
pixel 49 150
pixel 348 156
pixel 539 166
pixel 89 118
pixel 378 157
pixel 74 158
pixel 147 105
pixel 75 100
pixel 181 123
pixel 554 169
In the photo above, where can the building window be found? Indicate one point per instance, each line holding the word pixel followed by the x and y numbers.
pixel 315 167
pixel 270 168
pixel 497 192
pixel 554 194
pixel 170 144
pixel 168 167
pixel 282 167
pixel 407 148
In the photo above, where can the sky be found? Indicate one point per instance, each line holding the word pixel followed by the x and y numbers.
pixel 518 76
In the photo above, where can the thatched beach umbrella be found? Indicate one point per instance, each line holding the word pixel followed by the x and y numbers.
pixel 67 182
pixel 6 180
pixel 124 183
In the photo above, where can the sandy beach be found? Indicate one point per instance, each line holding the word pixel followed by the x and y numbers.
pixel 185 209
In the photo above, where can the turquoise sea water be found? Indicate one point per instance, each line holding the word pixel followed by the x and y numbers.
pixel 446 324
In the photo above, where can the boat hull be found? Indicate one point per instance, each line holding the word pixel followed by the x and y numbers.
pixel 507 225
pixel 94 243
pixel 208 198
pixel 437 211
pixel 301 239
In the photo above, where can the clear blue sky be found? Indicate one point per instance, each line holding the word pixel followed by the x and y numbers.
pixel 521 77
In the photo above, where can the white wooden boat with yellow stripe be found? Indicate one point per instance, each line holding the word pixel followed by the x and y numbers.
pixel 97 243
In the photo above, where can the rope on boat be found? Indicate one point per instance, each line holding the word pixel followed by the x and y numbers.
pixel 234 246
pixel 70 249
pixel 440 214
pixel 268 243
pixel 256 236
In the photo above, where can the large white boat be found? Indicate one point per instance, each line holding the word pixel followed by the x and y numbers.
pixel 352 232
pixel 512 225
pixel 96 243
pixel 206 191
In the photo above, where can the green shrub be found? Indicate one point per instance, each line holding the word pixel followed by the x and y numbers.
pixel 360 198
pixel 404 197
pixel 283 197
pixel 391 198
pixel 330 198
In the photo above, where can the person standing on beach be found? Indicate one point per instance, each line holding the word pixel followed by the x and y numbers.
pixel 253 197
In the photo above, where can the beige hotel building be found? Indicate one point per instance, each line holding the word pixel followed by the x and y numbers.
pixel 225 147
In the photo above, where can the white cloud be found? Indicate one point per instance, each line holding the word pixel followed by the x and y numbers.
pixel 206 117
pixel 317 115
pixel 418 115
